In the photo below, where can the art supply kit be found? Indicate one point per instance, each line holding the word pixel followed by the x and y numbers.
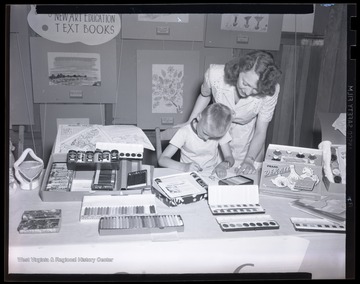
pixel 291 171
pixel 246 223
pixel 95 207
pixel 317 225
pixel 234 199
pixel 70 176
pixel 116 225
pixel 236 206
pixel 182 188
pixel 128 214
pixel 40 221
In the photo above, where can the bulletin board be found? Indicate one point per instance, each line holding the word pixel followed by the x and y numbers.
pixel 163 26
pixel 248 31
pixel 73 72
pixel 167 85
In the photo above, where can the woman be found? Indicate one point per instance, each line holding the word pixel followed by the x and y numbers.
pixel 249 87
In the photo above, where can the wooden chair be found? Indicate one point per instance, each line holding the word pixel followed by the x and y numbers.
pixel 162 139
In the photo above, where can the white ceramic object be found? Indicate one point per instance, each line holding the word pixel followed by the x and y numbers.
pixel 28 172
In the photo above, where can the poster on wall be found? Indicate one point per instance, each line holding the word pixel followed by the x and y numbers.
pixel 90 29
pixel 170 18
pixel 73 72
pixel 168 83
pixel 244 31
pixel 245 22
pixel 189 27
pixel 167 88
pixel 74 69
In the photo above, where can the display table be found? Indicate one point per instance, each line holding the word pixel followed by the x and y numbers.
pixel 202 248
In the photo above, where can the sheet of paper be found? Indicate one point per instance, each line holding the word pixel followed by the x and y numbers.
pixel 84 137
pixel 127 134
pixel 340 123
pixel 330 207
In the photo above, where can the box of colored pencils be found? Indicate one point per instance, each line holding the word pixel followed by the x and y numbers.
pixel 144 224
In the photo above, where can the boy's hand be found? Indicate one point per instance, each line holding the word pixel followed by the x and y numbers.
pixel 220 170
pixel 189 167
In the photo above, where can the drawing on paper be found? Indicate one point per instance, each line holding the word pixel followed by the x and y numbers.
pixel 245 22
pixel 85 137
pixel 167 88
pixel 170 18
pixel 74 69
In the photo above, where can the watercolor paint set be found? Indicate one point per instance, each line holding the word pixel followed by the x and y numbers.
pixel 234 199
pixel 317 224
pixel 246 223
pixel 236 209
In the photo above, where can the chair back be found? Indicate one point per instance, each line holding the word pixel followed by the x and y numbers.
pixel 162 138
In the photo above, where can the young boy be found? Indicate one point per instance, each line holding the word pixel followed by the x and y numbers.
pixel 199 143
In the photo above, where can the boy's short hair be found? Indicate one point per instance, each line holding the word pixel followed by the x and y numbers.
pixel 218 117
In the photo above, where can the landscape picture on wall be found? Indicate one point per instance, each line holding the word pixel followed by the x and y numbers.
pixel 74 69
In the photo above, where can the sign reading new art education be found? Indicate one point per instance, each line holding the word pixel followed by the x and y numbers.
pixel 91 29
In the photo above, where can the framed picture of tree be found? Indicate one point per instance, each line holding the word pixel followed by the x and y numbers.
pixel 168 82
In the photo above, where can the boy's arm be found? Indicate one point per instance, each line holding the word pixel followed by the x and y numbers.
pixel 221 169
pixel 227 154
pixel 166 161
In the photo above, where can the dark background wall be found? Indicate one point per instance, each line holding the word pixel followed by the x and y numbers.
pixel 313 81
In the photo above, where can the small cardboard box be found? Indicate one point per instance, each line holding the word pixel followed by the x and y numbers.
pixel 339 159
pixel 81 184
pixel 292 172
pixel 195 189
pixel 332 187
pixel 172 202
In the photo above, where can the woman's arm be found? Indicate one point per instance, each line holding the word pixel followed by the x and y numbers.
pixel 256 146
pixel 166 161
pixel 200 104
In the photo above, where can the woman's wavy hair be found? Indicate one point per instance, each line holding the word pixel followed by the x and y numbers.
pixel 262 62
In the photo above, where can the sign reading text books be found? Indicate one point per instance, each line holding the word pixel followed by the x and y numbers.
pixel 90 29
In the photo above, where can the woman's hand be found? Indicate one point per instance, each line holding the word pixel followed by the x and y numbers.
pixel 247 167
